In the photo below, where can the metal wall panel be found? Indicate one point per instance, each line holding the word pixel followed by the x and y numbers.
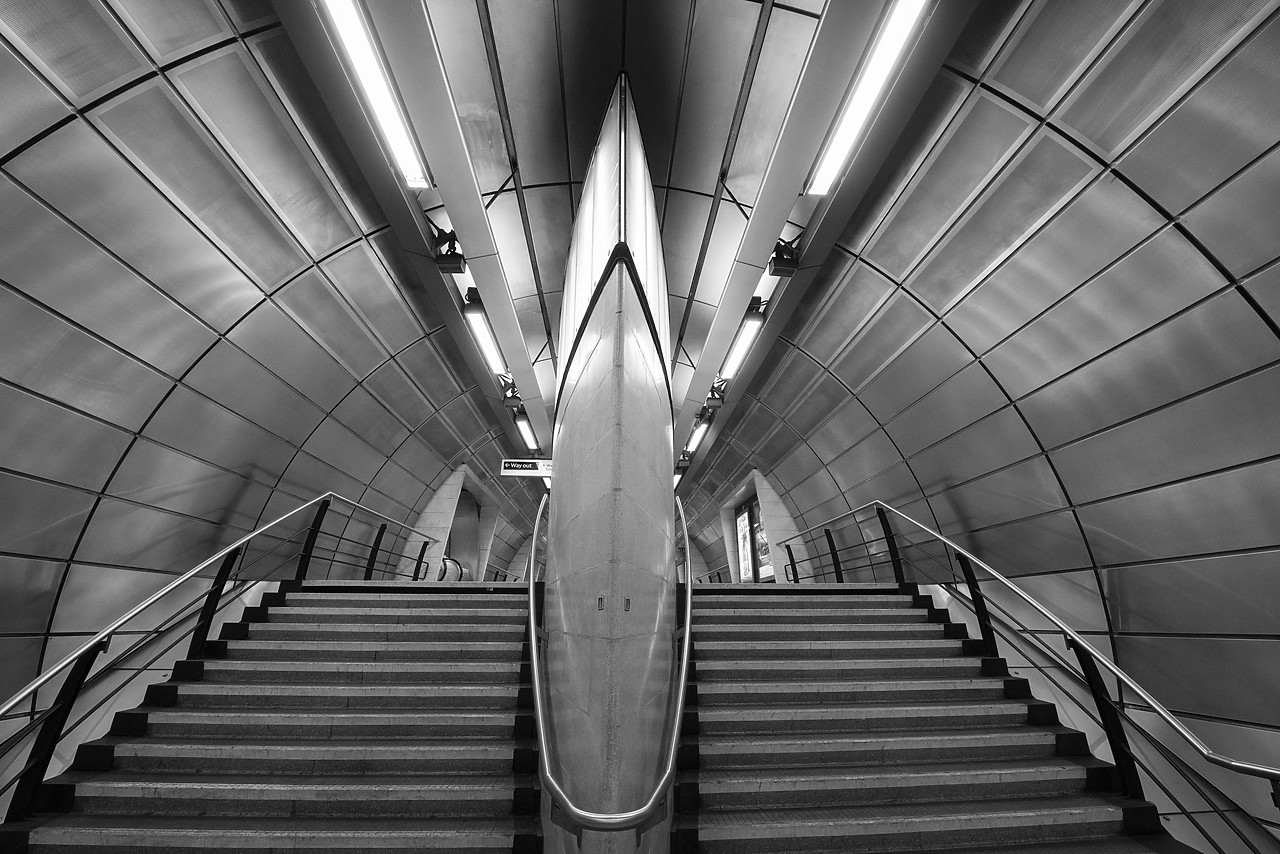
pixel 228 376
pixel 1179 668
pixel 961 400
pixel 1042 176
pixel 1225 594
pixel 272 338
pixel 855 293
pixel 798 465
pixel 1235 223
pixel 52 442
pixel 120 307
pixel 1025 489
pixel 197 426
pixel 369 419
pixel 77 44
pixel 159 477
pixel 313 303
pixel 1213 342
pixel 983 135
pixel 126 534
pixel 927 363
pixel 40 519
pixel 1221 512
pixel 167 146
pixel 1092 231
pixel 864 461
pixel 1161 277
pixel 170 28
pixel 984 446
pixel 817 404
pixel 899 321
pixel 344 450
pixel 1170 444
pixel 28 588
pixel 29 105
pixel 1039 544
pixel 390 385
pixel 847 425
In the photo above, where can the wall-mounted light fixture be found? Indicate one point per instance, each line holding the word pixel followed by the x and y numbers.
pixel 348 24
pixel 473 311
pixel 526 430
pixel 785 259
pixel 546 481
pixel 700 428
pixel 449 257
pixel 889 46
pixel 746 336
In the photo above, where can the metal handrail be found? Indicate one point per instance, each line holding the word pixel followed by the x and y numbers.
pixel 106 633
pixel 1209 755
pixel 585 818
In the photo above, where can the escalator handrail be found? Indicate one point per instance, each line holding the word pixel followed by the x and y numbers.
pixel 577 815
pixel 1209 755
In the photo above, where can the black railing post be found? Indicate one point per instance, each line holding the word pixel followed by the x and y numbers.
pixel 417 566
pixel 50 733
pixel 835 555
pixel 200 633
pixel 894 557
pixel 304 560
pixel 1111 723
pixel 373 552
pixel 979 605
pixel 791 562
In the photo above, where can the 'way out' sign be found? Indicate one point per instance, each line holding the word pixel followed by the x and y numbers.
pixel 526 468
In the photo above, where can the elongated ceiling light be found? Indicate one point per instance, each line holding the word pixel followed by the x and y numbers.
pixel 526 430
pixel 473 311
pixel 696 437
pixel 351 30
pixel 747 333
pixel 866 91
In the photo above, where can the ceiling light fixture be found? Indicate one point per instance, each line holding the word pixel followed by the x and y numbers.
pixel 473 311
pixel 449 257
pixel 351 29
pixel 699 432
pixel 747 333
pixel 546 481
pixel 888 49
pixel 526 430
pixel 679 477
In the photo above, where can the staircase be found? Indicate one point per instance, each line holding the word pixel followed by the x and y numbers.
pixel 854 717
pixel 337 716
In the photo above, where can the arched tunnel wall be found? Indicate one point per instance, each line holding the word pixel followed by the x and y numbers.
pixel 1051 330
pixel 203 320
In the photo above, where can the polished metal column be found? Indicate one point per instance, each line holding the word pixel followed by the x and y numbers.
pixel 610 583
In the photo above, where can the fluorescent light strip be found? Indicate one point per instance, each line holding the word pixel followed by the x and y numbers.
pixel 356 41
pixel 853 119
pixel 742 344
pixel 484 337
pixel 526 433
pixel 696 438
pixel 679 477
pixel 546 481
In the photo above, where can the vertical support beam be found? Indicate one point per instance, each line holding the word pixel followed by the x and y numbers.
pixel 979 605
pixel 373 552
pixel 417 566
pixel 892 544
pixel 835 555
pixel 791 563
pixel 1111 723
pixel 200 633
pixel 304 560
pixel 50 734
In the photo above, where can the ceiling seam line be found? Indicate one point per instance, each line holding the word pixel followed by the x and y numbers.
pixel 726 159
pixel 675 129
pixel 508 133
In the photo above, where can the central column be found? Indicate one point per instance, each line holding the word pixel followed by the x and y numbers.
pixel 610 579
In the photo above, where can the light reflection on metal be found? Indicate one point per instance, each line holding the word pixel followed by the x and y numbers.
pixel 747 333
pixel 483 332
pixel 349 25
pixel 870 84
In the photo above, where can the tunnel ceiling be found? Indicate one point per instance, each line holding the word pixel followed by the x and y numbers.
pixel 1048 325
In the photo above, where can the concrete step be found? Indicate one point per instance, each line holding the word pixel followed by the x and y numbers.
pixel 401 724
pixel 888 827
pixel 808 631
pixel 791 615
pixel 389 633
pixel 760 692
pixel 384 698
pixel 820 650
pixel 116 835
pixel 860 718
pixel 300 795
pixel 1158 844
pixel 857 589
pixel 891 747
pixel 710 603
pixel 477 589
pixel 764 788
pixel 391 616
pixel 416 651
pixel 708 672
pixel 361 672
pixel 399 601
pixel 327 757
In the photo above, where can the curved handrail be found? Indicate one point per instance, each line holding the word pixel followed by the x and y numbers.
pixel 1209 755
pixel 586 818
pixel 45 677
